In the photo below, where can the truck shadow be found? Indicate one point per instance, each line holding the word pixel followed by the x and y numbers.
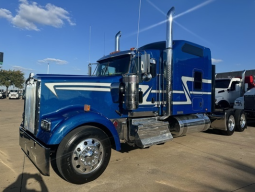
pixel 125 148
pixel 24 180
pixel 251 122
pixel 241 169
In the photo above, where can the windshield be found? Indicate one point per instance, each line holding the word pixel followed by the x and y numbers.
pixel 113 66
pixel 222 83
pixel 14 90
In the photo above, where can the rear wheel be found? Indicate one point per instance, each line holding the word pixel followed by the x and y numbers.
pixel 230 123
pixel 241 122
pixel 83 155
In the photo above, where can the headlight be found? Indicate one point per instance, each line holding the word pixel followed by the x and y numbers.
pixel 46 125
pixel 238 103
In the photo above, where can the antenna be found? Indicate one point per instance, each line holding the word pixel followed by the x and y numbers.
pixel 138 31
pixel 89 41
pixel 104 43
pixel 138 24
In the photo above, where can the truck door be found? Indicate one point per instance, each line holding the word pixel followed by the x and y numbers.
pixel 150 89
pixel 233 91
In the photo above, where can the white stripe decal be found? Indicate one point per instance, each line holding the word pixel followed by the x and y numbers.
pixel 194 92
pixel 187 92
pixel 181 92
pixel 157 91
pixel 200 93
pixel 81 84
pixel 66 86
pixel 183 102
pixel 84 89
pixel 206 81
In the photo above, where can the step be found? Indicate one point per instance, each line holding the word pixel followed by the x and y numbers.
pixel 150 131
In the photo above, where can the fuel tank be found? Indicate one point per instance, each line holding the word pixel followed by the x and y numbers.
pixel 182 125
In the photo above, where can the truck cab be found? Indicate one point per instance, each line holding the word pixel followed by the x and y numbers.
pixel 226 91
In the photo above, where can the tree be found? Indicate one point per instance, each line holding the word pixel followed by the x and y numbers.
pixel 11 77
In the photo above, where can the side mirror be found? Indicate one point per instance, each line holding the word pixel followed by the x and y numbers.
pixel 145 67
pixel 153 68
pixel 145 63
pixel 237 87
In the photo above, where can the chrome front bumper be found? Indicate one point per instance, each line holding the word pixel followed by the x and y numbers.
pixel 36 152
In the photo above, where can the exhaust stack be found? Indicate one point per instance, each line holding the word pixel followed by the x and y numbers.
pixel 169 53
pixel 117 41
pixel 243 84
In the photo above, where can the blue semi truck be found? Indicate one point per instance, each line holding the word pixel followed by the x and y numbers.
pixel 142 97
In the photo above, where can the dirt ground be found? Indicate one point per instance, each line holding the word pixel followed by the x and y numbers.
pixel 196 162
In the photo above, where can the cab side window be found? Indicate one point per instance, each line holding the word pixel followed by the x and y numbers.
pixel 197 80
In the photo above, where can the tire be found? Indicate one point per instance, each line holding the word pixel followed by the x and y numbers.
pixel 230 123
pixel 224 105
pixel 241 122
pixel 83 154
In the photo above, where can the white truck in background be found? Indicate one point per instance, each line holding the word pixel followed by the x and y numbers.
pixel 14 94
pixel 2 94
pixel 227 90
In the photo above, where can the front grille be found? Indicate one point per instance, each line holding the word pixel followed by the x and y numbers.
pixel 249 102
pixel 30 108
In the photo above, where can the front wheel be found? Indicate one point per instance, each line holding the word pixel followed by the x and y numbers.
pixel 241 122
pixel 83 154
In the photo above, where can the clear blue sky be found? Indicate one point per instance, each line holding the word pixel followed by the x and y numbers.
pixel 34 33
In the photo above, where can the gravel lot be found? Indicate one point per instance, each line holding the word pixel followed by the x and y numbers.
pixel 196 162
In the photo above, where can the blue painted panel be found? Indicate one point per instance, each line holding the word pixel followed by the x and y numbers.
pixel 69 119
pixel 187 100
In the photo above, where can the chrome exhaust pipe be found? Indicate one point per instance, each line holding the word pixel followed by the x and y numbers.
pixel 117 41
pixel 169 53
pixel 243 84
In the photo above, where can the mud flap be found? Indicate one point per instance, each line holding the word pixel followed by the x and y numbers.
pixel 220 120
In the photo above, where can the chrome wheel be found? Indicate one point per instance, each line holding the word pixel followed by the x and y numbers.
pixel 231 123
pixel 242 121
pixel 87 156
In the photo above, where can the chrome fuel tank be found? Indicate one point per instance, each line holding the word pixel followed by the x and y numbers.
pixel 182 125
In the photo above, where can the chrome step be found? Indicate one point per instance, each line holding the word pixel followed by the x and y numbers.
pixel 150 131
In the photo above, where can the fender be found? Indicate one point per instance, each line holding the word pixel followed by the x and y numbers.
pixel 218 99
pixel 78 119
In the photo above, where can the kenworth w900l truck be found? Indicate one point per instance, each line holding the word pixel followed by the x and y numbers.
pixel 141 97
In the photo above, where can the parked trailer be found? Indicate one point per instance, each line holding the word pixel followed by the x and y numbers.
pixel 141 97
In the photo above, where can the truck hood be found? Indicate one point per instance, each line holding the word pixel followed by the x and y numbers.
pixel 56 83
pixel 250 92
pixel 60 92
